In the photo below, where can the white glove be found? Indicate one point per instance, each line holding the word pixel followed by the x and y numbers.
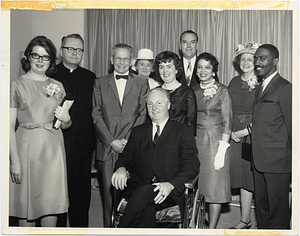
pixel 220 156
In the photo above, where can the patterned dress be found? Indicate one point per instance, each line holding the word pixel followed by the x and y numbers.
pixel 214 117
pixel 43 188
pixel 242 104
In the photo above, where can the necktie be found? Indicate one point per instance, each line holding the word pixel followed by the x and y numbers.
pixel 188 73
pixel 121 76
pixel 157 134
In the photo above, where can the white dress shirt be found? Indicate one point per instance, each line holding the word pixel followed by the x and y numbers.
pixel 121 84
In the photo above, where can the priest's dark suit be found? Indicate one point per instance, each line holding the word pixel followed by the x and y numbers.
pixel 272 152
pixel 173 159
pixel 80 142
pixel 194 80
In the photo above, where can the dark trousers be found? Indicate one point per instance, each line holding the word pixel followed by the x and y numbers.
pixel 140 211
pixel 107 170
pixel 79 188
pixel 271 193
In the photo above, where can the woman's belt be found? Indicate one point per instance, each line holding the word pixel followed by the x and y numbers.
pixel 209 126
pixel 30 126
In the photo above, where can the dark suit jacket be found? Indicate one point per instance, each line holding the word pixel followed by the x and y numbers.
pixel 194 80
pixel 79 86
pixel 272 127
pixel 174 159
pixel 113 120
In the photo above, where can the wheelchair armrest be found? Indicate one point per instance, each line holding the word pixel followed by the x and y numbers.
pixel 191 184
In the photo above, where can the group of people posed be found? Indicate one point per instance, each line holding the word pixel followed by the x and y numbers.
pixel 153 123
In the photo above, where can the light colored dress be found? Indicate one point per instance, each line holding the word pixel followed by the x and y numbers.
pixel 214 117
pixel 43 188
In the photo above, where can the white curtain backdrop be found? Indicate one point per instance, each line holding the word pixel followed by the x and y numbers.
pixel 159 30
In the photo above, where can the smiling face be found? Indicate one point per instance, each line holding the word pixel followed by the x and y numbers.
pixel 188 45
pixel 144 68
pixel 158 106
pixel 205 70
pixel 247 62
pixel 39 66
pixel 121 60
pixel 265 62
pixel 167 71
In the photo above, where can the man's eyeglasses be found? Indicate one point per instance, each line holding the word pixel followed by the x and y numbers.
pixel 71 50
pixel 37 56
pixel 119 59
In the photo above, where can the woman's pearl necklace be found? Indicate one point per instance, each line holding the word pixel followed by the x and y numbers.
pixel 205 86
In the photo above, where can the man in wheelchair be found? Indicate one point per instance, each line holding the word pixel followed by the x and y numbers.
pixel 161 156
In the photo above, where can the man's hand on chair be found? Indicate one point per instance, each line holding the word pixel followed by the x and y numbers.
pixel 165 189
pixel 119 178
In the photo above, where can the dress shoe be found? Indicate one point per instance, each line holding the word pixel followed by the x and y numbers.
pixel 247 225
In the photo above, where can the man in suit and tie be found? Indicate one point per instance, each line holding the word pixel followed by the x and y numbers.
pixel 272 142
pixel 161 156
pixel 188 46
pixel 118 106
pixel 79 139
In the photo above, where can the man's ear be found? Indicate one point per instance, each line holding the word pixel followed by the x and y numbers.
pixel 275 61
pixel 179 45
pixel 60 52
pixel 112 60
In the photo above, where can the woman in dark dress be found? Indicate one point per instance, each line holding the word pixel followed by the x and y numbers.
pixel 183 101
pixel 242 89
pixel 214 121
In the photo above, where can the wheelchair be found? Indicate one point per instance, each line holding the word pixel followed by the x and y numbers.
pixel 192 218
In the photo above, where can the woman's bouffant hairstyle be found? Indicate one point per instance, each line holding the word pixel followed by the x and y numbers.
pixel 49 47
pixel 213 61
pixel 168 56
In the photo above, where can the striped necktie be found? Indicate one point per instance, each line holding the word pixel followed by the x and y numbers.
pixel 188 73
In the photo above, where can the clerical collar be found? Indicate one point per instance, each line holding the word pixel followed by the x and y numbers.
pixel 71 69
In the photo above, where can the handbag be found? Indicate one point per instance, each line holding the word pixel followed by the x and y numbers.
pixel 247 146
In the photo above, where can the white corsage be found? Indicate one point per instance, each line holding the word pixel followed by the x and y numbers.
pixel 210 91
pixel 52 89
pixel 252 82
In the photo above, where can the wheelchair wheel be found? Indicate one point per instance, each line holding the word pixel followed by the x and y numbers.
pixel 198 212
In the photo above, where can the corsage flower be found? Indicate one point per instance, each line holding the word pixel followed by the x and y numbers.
pixel 52 89
pixel 250 83
pixel 210 91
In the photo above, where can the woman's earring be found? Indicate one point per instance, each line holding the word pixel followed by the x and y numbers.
pixel 214 74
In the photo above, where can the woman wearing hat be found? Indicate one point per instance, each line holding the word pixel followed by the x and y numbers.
pixel 144 65
pixel 242 89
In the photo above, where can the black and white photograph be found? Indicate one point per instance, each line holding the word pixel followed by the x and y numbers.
pixel 174 119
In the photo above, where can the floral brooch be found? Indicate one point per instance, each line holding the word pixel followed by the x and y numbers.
pixel 52 89
pixel 250 83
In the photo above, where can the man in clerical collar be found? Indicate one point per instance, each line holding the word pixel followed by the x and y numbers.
pixel 118 106
pixel 79 139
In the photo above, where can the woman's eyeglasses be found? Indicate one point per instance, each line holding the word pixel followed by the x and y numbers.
pixel 37 56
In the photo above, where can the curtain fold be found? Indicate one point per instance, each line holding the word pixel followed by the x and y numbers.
pixel 159 30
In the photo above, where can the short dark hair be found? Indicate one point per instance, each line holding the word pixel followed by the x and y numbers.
pixel 188 32
pixel 49 47
pixel 272 49
pixel 122 45
pixel 168 56
pixel 71 36
pixel 213 61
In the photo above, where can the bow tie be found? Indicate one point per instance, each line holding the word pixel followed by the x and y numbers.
pixel 121 76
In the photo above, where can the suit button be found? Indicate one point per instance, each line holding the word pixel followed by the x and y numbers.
pixel 154 169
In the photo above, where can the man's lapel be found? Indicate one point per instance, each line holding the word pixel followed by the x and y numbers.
pixel 113 86
pixel 128 86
